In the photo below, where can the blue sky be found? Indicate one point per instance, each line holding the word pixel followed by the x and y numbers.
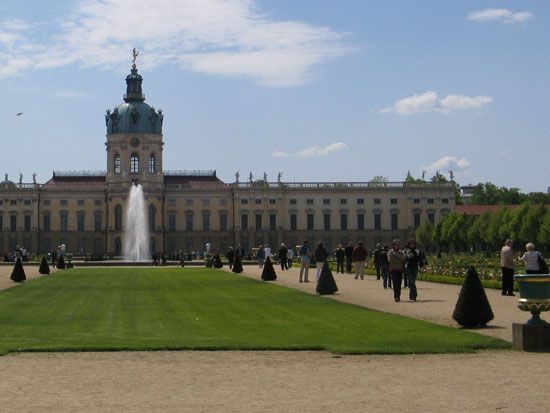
pixel 316 89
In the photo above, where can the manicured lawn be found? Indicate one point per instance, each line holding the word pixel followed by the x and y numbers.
pixel 159 308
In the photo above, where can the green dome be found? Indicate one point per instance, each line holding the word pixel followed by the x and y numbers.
pixel 134 116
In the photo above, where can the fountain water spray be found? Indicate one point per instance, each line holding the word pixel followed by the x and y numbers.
pixel 136 232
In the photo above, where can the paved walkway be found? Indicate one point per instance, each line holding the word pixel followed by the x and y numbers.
pixel 435 302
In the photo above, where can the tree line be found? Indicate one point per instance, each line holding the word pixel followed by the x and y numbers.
pixel 488 231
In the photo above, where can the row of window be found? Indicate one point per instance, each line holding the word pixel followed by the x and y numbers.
pixel 204 202
pixel 344 201
pixel 134 164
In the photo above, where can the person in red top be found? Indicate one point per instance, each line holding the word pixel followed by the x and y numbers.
pixel 359 258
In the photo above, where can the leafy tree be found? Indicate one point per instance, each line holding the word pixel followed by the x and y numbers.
pixel 438 178
pixel 516 222
pixel 379 179
pixel 544 231
pixel 424 234
pixel 531 224
pixel 437 237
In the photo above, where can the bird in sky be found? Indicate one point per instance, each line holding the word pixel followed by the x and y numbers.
pixel 19 114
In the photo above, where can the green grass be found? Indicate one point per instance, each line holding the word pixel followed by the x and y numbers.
pixel 158 309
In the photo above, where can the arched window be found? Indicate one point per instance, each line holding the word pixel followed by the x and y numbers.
pixel 134 164
pixel 152 211
pixel 118 218
pixel 118 247
pixel 152 164
pixel 117 163
pixel 153 245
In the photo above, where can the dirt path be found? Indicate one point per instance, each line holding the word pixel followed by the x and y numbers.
pixel 503 381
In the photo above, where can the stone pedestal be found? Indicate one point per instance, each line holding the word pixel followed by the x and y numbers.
pixel 528 337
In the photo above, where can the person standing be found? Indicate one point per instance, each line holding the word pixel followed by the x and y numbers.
pixel 230 255
pixel 385 267
pixel 304 253
pixel 507 266
pixel 260 256
pixel 283 256
pixel 376 258
pixel 340 254
pixel 321 256
pixel 531 260
pixel 396 259
pixel 349 257
pixel 412 264
pixel 290 257
pixel 267 252
pixel 359 257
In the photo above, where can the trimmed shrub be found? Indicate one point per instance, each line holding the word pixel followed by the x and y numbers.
pixel 238 265
pixel 472 308
pixel 44 267
pixel 326 284
pixel 61 263
pixel 268 273
pixel 218 261
pixel 18 273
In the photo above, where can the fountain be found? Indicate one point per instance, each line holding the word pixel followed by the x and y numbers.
pixel 136 233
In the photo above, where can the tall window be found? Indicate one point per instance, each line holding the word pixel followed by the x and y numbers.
pixel 134 164
pixel 63 219
pixel 13 223
pixel 118 218
pixel 244 222
pixel 293 222
pixel 47 223
pixel 152 165
pixel 377 222
pixel 1 222
pixel 431 217
pixel 118 247
pixel 344 222
pixel 326 222
pixel 117 163
pixel 80 222
pixel 310 222
pixel 416 219
pixel 258 222
pixel 97 222
pixel 27 223
pixel 189 221
pixel 360 222
pixel 152 212
pixel 172 222
pixel 272 222
pixel 223 222
pixel 206 221
pixel 394 222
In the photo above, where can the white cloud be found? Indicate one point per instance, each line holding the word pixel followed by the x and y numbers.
pixel 446 164
pixel 500 15
pixel 220 37
pixel 311 152
pixel 431 102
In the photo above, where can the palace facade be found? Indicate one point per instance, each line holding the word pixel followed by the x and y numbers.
pixel 187 209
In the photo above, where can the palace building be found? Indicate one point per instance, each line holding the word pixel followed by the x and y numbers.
pixel 187 209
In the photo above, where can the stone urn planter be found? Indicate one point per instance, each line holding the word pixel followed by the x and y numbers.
pixel 534 291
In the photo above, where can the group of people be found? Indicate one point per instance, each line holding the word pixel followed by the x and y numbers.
pixel 533 259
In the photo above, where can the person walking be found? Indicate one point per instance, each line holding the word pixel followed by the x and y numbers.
pixel 412 264
pixel 349 257
pixel 533 260
pixel 359 257
pixel 230 255
pixel 385 267
pixel 396 259
pixel 321 256
pixel 283 257
pixel 376 259
pixel 340 255
pixel 507 266
pixel 304 253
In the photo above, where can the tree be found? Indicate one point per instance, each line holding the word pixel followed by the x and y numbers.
pixel 424 234
pixel 531 224
pixel 438 178
pixel 437 234
pixel 378 179
pixel 544 231
pixel 268 272
pixel 472 307
pixel 44 267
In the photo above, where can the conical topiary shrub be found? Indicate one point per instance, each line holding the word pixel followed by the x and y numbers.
pixel 326 284
pixel 218 261
pixel 60 263
pixel 237 265
pixel 472 308
pixel 18 273
pixel 44 267
pixel 268 273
